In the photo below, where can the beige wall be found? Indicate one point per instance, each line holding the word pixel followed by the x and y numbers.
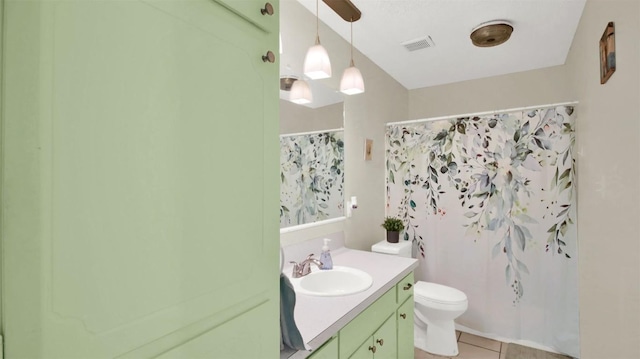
pixel 295 118
pixel 608 174
pixel 538 87
pixel 608 135
pixel 384 100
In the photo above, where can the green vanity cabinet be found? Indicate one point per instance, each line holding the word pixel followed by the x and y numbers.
pixel 328 350
pixel 404 317
pixel 404 288
pixel 385 340
pixel 364 325
pixel 384 329
pixel 364 351
pixel 381 345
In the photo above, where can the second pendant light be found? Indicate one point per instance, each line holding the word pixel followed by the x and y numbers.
pixel 352 82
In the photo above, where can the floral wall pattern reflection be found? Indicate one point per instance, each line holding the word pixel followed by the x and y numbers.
pixel 311 177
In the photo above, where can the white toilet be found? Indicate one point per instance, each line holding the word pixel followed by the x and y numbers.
pixel 436 306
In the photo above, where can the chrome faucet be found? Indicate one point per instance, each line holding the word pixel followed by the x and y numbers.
pixel 303 268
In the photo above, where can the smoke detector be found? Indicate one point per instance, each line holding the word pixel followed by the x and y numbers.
pixel 492 33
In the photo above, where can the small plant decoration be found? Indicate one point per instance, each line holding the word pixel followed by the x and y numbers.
pixel 393 226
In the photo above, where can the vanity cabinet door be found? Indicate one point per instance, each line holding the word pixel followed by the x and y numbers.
pixel 381 345
pixel 328 350
pixel 364 351
pixel 362 326
pixel 393 337
pixel 385 340
pixel 404 317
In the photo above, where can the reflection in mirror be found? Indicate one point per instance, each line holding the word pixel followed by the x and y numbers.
pixel 312 177
pixel 311 135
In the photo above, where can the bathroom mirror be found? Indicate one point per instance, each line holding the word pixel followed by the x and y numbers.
pixel 311 135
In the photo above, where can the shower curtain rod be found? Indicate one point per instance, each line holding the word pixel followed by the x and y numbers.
pixel 311 132
pixel 482 113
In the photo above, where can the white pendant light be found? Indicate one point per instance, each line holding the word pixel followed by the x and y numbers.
pixel 316 63
pixel 300 93
pixel 352 82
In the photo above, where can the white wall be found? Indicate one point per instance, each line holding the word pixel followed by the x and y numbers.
pixel 608 135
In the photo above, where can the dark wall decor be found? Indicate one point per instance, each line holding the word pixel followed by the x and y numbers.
pixel 607 53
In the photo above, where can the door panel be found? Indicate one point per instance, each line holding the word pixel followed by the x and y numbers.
pixel 371 318
pixel 405 329
pixel 385 339
pixel 364 351
pixel 250 10
pixel 223 342
pixel 159 167
pixel 328 350
pixel 141 158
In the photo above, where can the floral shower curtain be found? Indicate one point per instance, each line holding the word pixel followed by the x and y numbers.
pixel 489 203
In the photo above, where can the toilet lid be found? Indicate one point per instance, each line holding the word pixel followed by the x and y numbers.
pixel 438 293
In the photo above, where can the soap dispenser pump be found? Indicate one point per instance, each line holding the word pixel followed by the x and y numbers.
pixel 325 256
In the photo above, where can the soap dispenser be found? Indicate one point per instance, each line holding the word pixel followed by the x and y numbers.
pixel 325 256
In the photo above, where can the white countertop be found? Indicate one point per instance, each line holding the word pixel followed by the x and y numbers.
pixel 319 318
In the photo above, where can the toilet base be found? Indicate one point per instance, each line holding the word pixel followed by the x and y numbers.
pixel 437 337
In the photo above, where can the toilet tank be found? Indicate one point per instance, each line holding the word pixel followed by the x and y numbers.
pixel 402 248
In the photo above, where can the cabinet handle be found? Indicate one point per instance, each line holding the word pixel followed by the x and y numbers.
pixel 269 57
pixel 403 315
pixel 380 341
pixel 373 349
pixel 268 9
pixel 408 286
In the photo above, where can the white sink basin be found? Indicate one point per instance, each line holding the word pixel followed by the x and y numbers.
pixel 334 282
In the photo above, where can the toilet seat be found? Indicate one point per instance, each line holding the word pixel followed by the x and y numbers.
pixel 427 292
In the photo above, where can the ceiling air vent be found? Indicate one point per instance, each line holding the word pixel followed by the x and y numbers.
pixel 417 44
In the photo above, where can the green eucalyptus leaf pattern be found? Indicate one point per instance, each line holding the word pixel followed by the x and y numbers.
pixel 493 172
pixel 311 177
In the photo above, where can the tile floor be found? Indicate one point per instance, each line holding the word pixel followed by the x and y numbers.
pixel 471 347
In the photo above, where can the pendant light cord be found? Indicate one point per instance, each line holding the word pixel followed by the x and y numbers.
pixel 317 23
pixel 351 42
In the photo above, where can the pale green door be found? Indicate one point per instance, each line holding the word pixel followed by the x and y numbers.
pixel 139 181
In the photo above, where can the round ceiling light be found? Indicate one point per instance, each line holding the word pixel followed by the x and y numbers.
pixel 491 33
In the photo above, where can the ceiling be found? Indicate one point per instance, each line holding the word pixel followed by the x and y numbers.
pixel 542 36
